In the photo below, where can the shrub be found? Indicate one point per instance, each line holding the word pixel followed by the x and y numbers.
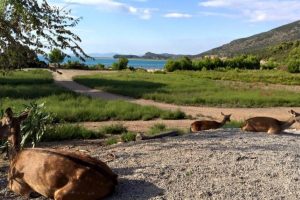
pixel 121 64
pixel 294 66
pixel 113 129
pixel 67 132
pixel 157 128
pixel 97 67
pixel 128 137
pixel 35 126
pixel 172 65
pixel 56 56
pixel 111 141
pixel 74 65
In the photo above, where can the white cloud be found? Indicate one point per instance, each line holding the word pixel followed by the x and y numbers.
pixel 113 5
pixel 259 10
pixel 177 15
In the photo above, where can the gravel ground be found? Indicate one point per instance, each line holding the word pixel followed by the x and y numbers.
pixel 220 164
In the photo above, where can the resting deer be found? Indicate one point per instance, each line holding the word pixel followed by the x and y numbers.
pixel 206 124
pixel 10 129
pixel 60 175
pixel 269 124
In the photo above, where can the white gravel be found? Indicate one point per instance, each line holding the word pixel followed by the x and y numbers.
pixel 220 164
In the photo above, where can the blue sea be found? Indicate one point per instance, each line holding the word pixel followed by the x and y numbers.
pixel 136 63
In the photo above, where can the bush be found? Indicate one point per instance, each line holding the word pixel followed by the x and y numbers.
pixel 121 64
pixel 157 128
pixel 67 132
pixel 294 66
pixel 114 129
pixel 56 56
pixel 111 141
pixel 97 67
pixel 74 65
pixel 128 137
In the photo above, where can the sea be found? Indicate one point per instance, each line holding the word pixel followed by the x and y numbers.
pixel 136 63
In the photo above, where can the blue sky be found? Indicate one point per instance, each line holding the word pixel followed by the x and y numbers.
pixel 173 26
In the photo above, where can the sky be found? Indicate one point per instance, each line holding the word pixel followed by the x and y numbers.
pixel 173 26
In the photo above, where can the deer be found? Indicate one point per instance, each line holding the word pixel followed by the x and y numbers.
pixel 60 175
pixel 207 124
pixel 269 124
pixel 11 129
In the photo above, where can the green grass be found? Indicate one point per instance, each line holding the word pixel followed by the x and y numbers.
pixel 128 137
pixel 250 76
pixel 114 129
pixel 19 88
pixel 157 128
pixel 199 88
pixel 67 132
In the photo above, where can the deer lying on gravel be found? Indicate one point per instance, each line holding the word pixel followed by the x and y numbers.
pixel 206 124
pixel 269 124
pixel 10 129
pixel 60 175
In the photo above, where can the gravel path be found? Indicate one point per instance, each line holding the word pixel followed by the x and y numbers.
pixel 220 164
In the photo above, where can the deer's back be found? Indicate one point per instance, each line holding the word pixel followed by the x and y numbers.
pixel 262 124
pixel 204 125
pixel 47 171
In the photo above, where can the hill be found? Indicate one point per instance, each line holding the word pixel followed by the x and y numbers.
pixel 258 43
pixel 152 56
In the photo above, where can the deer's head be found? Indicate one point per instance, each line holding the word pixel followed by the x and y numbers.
pixel 226 117
pixel 5 123
pixel 295 115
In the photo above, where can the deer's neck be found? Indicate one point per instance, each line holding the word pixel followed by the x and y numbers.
pixel 288 123
pixel 223 122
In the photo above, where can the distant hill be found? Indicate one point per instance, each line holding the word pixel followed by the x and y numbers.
pixel 259 43
pixel 153 56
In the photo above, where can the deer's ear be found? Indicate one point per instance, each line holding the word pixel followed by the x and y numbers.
pixel 8 113
pixel 222 113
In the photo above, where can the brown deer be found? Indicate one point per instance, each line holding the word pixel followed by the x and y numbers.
pixel 269 124
pixel 60 175
pixel 11 129
pixel 207 124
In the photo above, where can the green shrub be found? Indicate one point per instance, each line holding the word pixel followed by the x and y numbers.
pixel 68 131
pixel 114 129
pixel 157 128
pixel 74 65
pixel 178 114
pixel 128 137
pixel 294 66
pixel 97 67
pixel 121 64
pixel 111 141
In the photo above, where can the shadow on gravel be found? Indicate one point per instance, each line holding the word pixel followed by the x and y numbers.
pixel 136 189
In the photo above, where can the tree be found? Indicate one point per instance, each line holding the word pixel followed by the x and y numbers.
pixel 121 64
pixel 56 56
pixel 37 25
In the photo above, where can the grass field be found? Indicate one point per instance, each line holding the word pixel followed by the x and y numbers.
pixel 199 88
pixel 19 88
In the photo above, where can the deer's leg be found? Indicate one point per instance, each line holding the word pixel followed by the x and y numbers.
pixel 274 130
pixel 248 127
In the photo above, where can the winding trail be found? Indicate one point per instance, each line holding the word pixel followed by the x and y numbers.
pixel 239 114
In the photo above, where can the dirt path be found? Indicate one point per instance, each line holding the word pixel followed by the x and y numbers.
pixel 239 114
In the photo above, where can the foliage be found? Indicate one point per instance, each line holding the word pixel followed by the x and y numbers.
pixel 238 62
pixel 128 137
pixel 56 56
pixel 114 129
pixel 68 131
pixel 38 26
pixel 111 140
pixel 157 128
pixel 74 65
pixel 35 126
pixel 17 56
pixel 121 64
pixel 294 60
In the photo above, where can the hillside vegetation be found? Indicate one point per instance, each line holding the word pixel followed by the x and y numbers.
pixel 257 44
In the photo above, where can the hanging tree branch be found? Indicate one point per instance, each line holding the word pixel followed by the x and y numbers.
pixel 38 26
